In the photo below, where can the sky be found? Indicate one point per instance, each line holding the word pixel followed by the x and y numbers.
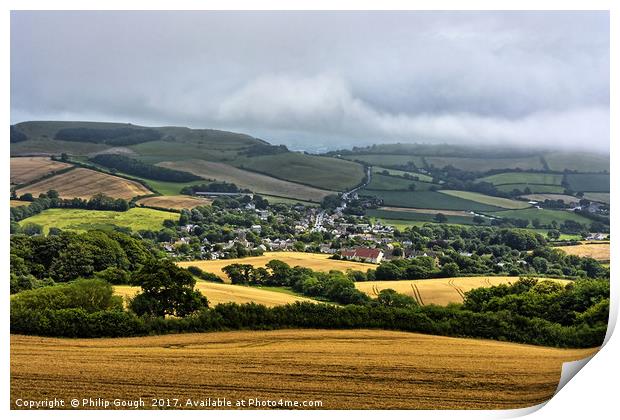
pixel 323 80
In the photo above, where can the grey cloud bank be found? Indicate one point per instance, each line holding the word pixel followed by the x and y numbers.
pixel 323 80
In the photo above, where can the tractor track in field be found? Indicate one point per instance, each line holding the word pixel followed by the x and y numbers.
pixel 457 288
pixel 416 294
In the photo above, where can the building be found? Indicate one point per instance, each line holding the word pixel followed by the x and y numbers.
pixel 369 255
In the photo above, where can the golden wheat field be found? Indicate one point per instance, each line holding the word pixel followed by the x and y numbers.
pixel 175 202
pixel 17 203
pixel 27 169
pixel 224 293
pixel 436 291
pixel 84 183
pixel 317 262
pixel 597 250
pixel 352 369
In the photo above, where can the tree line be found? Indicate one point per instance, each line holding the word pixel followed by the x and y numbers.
pixel 124 136
pixel 146 170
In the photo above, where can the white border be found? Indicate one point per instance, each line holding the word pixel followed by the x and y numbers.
pixel 591 395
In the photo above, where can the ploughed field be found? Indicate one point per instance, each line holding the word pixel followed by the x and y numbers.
pixel 351 369
pixel 225 293
pixel 317 262
pixel 28 169
pixel 84 183
pixel 436 291
pixel 174 202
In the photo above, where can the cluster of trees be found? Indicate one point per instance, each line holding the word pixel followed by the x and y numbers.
pixel 67 256
pixel 527 312
pixel 218 186
pixel 124 136
pixel 204 275
pixel 51 200
pixel 146 170
pixel 16 135
pixel 333 286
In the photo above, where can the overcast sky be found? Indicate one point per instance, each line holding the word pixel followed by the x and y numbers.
pixel 316 80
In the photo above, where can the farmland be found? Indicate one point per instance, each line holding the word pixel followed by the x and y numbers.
pixel 225 293
pixel 318 262
pixel 387 160
pixel 427 200
pixel 523 178
pixel 396 172
pixel 568 199
pixel 17 203
pixel 384 182
pixel 589 182
pixel 535 188
pixel 351 369
pixel 600 197
pixel 84 183
pixel 245 179
pixel 545 216
pixel 175 202
pixel 28 169
pixel 582 162
pixel 597 250
pixel 421 215
pixel 487 199
pixel 320 172
pixel 435 291
pixel 82 220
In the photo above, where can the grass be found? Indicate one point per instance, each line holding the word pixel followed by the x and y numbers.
pixel 577 161
pixel 387 159
pixel 545 216
pixel 589 182
pixel 542 197
pixel 82 220
pixel 275 200
pixel 84 183
pixel 486 164
pixel 523 178
pixel 487 199
pixel 321 172
pixel 599 251
pixel 318 262
pixel 600 197
pixel 428 200
pixel 28 169
pixel 436 291
pixel 259 183
pixel 397 172
pixel 385 182
pixel 417 216
pixel 344 369
pixel 224 293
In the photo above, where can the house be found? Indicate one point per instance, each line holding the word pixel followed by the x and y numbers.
pixel 370 255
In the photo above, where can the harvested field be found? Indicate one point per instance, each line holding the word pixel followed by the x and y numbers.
pixel 17 203
pixel 318 262
pixel 436 291
pixel 174 202
pixel 254 181
pixel 225 293
pixel 352 369
pixel 597 250
pixel 28 169
pixel 84 183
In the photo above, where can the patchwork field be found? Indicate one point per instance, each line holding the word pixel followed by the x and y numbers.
pixel 318 262
pixel 421 215
pixel 577 161
pixel 28 169
pixel 486 164
pixel 84 183
pixel 597 250
pixel 175 202
pixel 600 197
pixel 82 220
pixel 256 182
pixel 225 293
pixel 589 182
pixel 396 172
pixel 435 291
pixel 318 171
pixel 523 178
pixel 353 369
pixel 534 188
pixel 387 159
pixel 568 199
pixel 487 199
pixel 428 200
pixel 385 182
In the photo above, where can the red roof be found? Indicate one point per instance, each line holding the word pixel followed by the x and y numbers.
pixel 366 253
